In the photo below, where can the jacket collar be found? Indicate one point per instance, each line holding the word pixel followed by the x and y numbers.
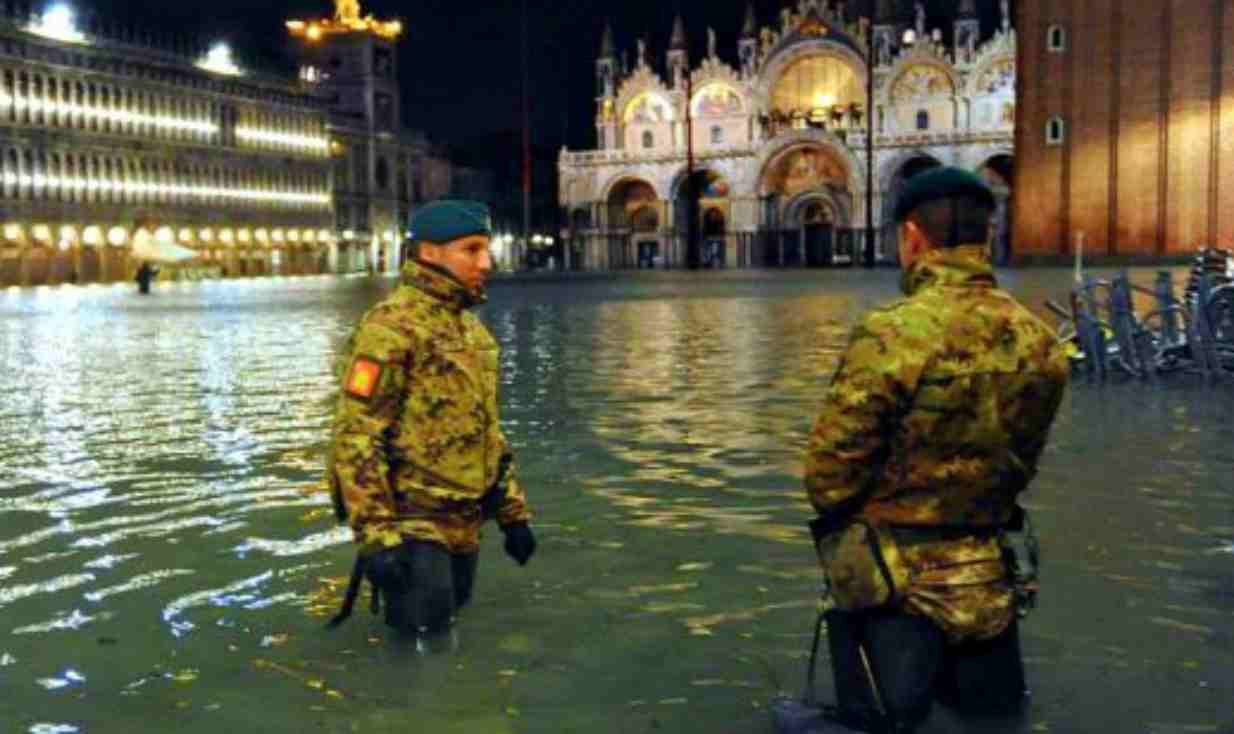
pixel 962 266
pixel 441 284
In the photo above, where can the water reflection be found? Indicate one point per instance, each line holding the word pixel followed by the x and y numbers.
pixel 164 556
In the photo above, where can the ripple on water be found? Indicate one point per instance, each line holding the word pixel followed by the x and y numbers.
pixel 165 546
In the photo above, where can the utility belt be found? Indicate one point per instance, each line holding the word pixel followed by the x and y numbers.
pixel 480 509
pixel 864 564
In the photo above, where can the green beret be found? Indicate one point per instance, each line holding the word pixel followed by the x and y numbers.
pixel 941 183
pixel 450 219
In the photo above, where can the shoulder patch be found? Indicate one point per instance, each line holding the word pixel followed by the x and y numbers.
pixel 363 377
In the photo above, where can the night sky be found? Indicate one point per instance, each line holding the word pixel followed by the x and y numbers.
pixel 460 58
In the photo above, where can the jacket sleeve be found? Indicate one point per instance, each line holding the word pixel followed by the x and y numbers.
pixel 370 401
pixel 514 507
pixel 851 436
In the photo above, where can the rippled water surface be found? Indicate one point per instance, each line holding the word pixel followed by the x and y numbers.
pixel 165 564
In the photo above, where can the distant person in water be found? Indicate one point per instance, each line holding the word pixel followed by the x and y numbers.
pixel 145 275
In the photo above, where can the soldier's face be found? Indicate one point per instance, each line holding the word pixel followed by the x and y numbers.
pixel 467 259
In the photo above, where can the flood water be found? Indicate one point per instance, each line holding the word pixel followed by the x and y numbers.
pixel 165 564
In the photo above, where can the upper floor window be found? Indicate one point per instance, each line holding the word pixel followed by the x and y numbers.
pixel 1056 39
pixel 923 120
pixel 649 140
pixel 717 135
pixel 1055 131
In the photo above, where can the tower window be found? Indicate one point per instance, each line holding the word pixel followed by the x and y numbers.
pixel 649 140
pixel 1055 131
pixel 1056 39
pixel 717 135
pixel 923 120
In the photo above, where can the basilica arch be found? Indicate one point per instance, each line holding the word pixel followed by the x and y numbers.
pixel 807 191
pixel 633 209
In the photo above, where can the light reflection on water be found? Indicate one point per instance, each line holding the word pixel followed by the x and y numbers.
pixel 163 556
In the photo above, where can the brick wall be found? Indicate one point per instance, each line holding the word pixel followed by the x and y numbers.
pixel 1147 94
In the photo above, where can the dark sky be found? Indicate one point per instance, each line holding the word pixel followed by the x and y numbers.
pixel 460 58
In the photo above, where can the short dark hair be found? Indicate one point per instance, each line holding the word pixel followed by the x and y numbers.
pixel 954 221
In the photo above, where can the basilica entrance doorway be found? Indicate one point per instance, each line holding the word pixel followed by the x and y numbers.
pixel 806 204
pixel 818 229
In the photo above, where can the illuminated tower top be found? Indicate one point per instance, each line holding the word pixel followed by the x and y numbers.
pixel 347 19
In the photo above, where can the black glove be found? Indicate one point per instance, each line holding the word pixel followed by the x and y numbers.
pixel 520 543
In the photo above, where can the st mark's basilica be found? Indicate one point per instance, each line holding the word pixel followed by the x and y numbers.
pixel 776 145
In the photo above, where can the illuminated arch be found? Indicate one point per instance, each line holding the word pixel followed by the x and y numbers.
pixel 647 108
pixel 816 81
pixel 716 99
pixel 922 81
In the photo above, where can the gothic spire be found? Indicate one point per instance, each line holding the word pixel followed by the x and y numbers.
pixel 606 42
pixel 749 29
pixel 678 41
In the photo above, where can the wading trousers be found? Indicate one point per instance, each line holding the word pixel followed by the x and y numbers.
pixel 439 583
pixel 908 664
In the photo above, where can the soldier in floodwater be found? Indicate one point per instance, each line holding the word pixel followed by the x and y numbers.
pixel 418 461
pixel 931 428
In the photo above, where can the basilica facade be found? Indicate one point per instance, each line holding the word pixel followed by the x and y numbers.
pixel 773 152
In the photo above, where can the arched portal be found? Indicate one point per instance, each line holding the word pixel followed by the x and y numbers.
pixel 91 265
pixel 694 196
pixel 895 188
pixel 633 216
pixel 805 199
pixel 999 172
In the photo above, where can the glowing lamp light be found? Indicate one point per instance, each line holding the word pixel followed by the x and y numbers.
pixel 293 235
pixel 910 37
pixel 12 232
pixel 243 235
pixel 262 235
pixel 349 234
pixel 65 245
pixel 59 24
pixel 41 232
pixel 323 235
pixel 389 235
pixel 313 32
pixel 117 236
pixel 207 235
pixel 822 99
pixel 226 236
pixel 93 235
pixel 277 235
pixel 164 235
pixel 219 61
pixel 186 235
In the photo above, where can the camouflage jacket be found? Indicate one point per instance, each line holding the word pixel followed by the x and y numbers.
pixel 416 441
pixel 936 419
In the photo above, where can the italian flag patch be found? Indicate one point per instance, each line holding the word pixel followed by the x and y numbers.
pixel 363 378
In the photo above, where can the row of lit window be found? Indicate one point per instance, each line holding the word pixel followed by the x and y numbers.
pixel 42 185
pixel 78 107
pixel 119 117
pixel 119 236
pixel 314 143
